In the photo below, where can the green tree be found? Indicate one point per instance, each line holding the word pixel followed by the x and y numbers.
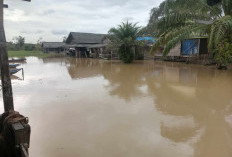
pixel 38 45
pixel 20 42
pixel 124 39
pixel 223 53
pixel 190 18
pixel 152 27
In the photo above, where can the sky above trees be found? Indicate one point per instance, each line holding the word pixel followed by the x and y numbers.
pixel 54 19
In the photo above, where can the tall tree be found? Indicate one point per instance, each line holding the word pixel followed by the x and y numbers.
pixel 152 27
pixel 38 45
pixel 19 41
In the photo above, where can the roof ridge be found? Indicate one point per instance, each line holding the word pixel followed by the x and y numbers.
pixel 88 33
pixel 52 42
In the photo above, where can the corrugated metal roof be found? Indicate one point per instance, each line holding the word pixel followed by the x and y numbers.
pixel 84 38
pixel 85 45
pixel 53 44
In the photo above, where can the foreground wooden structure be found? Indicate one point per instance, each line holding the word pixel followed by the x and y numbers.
pixel 14 128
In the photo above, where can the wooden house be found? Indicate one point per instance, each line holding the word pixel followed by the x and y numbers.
pixel 192 50
pixel 86 44
pixel 55 47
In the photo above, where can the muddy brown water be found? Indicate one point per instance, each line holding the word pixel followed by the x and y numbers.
pixel 96 108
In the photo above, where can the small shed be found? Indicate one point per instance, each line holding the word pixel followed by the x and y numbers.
pixel 55 47
pixel 194 46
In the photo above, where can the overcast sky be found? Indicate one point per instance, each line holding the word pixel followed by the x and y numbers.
pixel 54 19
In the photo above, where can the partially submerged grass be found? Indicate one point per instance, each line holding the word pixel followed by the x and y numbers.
pixel 22 54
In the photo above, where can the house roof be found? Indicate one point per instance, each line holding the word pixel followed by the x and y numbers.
pixel 86 45
pixel 84 38
pixel 147 39
pixel 53 44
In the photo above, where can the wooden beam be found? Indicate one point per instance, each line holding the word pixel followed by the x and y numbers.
pixel 4 65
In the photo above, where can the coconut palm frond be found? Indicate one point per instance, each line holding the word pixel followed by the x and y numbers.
pixel 179 19
pixel 219 30
pixel 227 5
pixel 192 6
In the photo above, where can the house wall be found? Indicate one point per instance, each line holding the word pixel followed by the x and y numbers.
pixel 143 52
pixel 54 50
pixel 175 52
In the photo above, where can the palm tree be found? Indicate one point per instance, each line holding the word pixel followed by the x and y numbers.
pixel 124 39
pixel 191 18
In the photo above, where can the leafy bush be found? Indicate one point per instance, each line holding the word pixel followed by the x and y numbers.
pixel 126 54
pixel 223 53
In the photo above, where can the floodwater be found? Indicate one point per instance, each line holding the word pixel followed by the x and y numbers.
pixel 97 108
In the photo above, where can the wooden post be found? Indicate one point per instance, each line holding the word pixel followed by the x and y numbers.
pixel 4 64
pixel 16 130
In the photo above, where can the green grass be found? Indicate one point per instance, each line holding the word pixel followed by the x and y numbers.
pixel 22 54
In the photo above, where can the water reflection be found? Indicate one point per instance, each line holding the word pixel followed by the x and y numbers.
pixel 198 93
pixel 124 80
pixel 79 68
pixel 194 101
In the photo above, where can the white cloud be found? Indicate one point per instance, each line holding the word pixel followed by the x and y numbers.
pixel 53 19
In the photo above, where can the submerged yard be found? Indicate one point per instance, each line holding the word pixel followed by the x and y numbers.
pixel 22 53
pixel 96 108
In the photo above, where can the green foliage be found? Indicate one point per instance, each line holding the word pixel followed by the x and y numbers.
pixel 38 45
pixel 22 54
pixel 29 47
pixel 193 18
pixel 125 53
pixel 223 52
pixel 152 27
pixel 20 45
pixel 19 42
pixel 123 39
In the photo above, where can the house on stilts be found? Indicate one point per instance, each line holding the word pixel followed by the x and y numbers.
pixel 86 45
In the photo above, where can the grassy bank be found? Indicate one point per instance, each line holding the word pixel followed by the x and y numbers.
pixel 22 54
